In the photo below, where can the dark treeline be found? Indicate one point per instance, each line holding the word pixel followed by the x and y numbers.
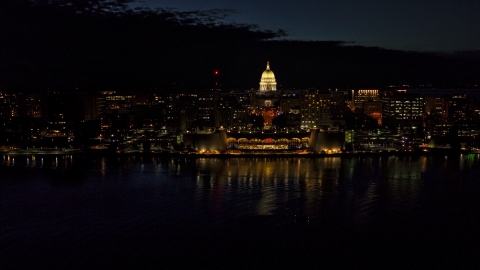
pixel 99 43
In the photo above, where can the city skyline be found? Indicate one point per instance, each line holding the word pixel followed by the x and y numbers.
pixel 171 134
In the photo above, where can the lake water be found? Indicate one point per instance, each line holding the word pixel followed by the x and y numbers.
pixel 78 212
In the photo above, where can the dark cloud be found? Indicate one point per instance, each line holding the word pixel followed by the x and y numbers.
pixel 108 44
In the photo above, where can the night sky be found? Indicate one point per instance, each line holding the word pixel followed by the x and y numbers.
pixel 423 25
pixel 88 44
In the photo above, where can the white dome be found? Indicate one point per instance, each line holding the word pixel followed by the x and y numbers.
pixel 268 82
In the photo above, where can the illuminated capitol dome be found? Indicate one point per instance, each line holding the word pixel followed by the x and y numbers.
pixel 268 83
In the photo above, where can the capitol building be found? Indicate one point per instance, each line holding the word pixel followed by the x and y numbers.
pixel 268 82
pixel 269 102
pixel 266 96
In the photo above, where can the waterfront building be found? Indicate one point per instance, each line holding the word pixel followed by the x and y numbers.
pixel 115 125
pixel 57 126
pixel 61 111
pixel 460 116
pixel 8 105
pixel 229 110
pixel 239 117
pixel 236 141
pixel 459 108
pixel 322 108
pixel 403 112
pixel 29 105
pixel 207 107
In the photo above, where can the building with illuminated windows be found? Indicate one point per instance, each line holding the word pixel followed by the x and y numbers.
pixel 459 115
pixel 363 95
pixel 322 109
pixel 235 141
pixel 8 105
pixel 315 107
pixel 403 112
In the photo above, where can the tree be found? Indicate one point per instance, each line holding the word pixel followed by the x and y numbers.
pixel 257 121
pixel 280 121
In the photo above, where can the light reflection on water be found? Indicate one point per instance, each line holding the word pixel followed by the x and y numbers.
pixel 353 191
pixel 79 198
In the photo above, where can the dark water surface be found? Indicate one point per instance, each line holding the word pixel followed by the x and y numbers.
pixel 75 212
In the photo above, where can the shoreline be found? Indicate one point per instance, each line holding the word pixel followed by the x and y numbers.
pixel 105 152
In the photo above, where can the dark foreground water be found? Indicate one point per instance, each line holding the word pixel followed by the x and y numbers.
pixel 74 212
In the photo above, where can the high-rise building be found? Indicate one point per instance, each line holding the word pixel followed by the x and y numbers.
pixel 29 104
pixel 362 95
pixel 435 106
pixel 403 112
pixel 315 109
pixel 94 106
pixel 239 117
pixel 8 105
pixel 459 108
pixel 337 107
pixel 207 107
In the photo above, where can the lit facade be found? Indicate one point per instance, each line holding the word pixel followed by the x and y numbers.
pixel 268 82
pixel 114 101
pixel 321 109
pixel 403 112
pixel 222 141
pixel 57 126
pixel 362 95
pixel 374 110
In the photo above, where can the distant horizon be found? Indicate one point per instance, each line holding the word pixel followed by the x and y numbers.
pixel 408 25
pixel 187 89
